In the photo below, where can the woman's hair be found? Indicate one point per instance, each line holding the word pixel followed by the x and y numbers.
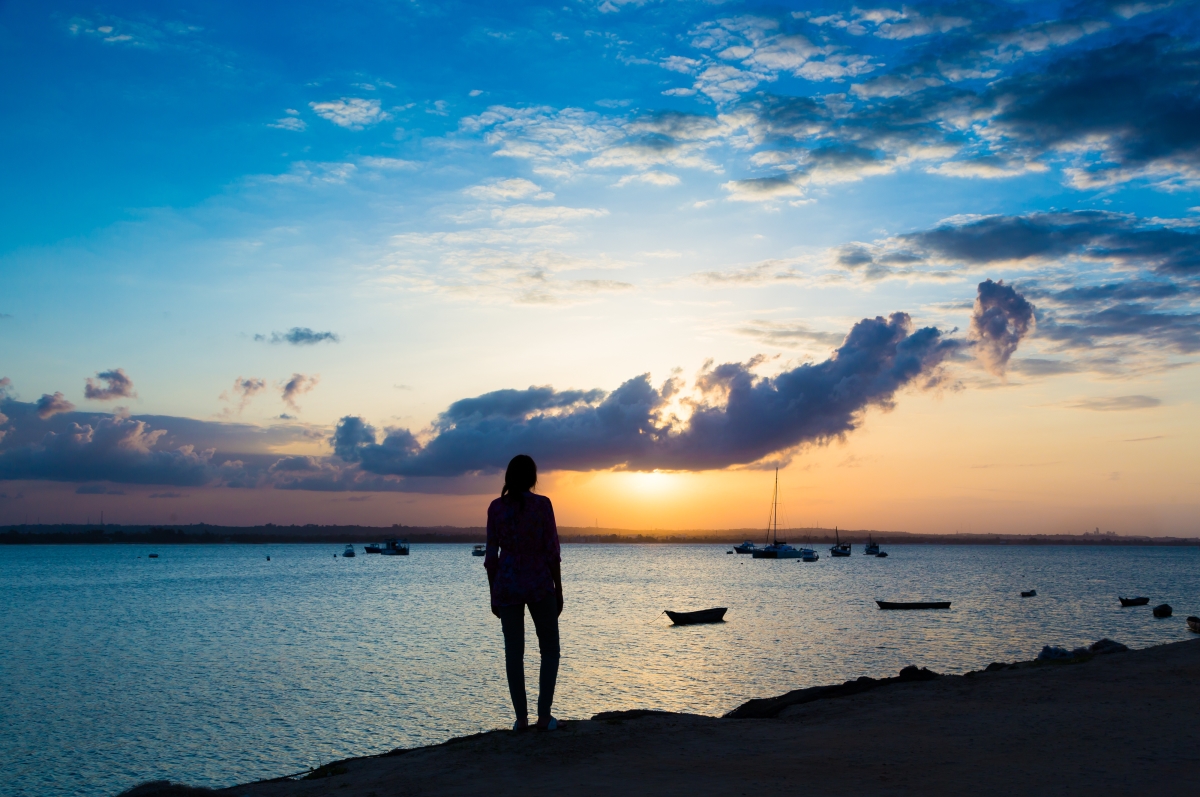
pixel 520 477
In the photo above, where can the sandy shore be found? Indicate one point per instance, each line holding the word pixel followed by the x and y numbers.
pixel 1125 723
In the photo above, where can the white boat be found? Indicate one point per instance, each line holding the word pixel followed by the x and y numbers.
pixel 349 552
pixel 745 547
pixel 839 548
pixel 479 550
pixel 394 547
pixel 778 549
pixel 808 555
pixel 872 548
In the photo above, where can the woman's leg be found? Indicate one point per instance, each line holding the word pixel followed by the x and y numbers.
pixel 512 622
pixel 545 621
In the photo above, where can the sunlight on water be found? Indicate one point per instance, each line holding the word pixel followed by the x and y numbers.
pixel 213 666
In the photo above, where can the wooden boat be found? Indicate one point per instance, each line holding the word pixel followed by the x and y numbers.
pixel 839 548
pixel 702 616
pixel 1133 601
pixel 914 605
pixel 1194 624
pixel 1030 593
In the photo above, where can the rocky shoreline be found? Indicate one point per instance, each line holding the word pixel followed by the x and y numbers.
pixel 1094 722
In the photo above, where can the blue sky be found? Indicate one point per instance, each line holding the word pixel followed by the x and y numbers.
pixel 273 218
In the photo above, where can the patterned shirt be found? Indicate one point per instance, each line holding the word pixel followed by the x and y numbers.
pixel 522 547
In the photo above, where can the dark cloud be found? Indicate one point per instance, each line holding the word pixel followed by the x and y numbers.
pixel 1000 319
pixel 738 419
pixel 1116 403
pixel 97 489
pixel 299 336
pixel 244 388
pixel 49 405
pixel 116 385
pixel 1090 327
pixel 167 495
pixel 298 385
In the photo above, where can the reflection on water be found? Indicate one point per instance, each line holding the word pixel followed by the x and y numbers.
pixel 214 666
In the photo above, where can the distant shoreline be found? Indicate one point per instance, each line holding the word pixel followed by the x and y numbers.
pixel 203 534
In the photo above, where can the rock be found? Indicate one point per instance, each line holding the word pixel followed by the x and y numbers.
pixel 994 666
pixel 1162 610
pixel 911 673
pixel 1050 653
pixel 1105 646
pixel 164 788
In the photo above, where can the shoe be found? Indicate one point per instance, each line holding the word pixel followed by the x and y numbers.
pixel 521 725
pixel 552 725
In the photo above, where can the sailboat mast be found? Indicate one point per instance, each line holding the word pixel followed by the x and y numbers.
pixel 775 509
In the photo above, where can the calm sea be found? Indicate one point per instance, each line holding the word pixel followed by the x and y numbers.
pixel 214 666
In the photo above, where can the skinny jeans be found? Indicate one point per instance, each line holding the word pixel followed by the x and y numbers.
pixel 545 622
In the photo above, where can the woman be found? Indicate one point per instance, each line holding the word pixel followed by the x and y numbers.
pixel 522 564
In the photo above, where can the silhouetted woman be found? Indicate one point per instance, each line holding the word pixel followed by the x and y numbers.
pixel 523 570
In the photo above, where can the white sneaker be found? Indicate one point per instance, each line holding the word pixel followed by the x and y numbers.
pixel 552 725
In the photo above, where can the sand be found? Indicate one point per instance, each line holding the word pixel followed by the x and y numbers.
pixel 1125 723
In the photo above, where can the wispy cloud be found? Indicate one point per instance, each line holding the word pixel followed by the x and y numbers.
pixel 299 336
pixel 1116 403
pixel 352 113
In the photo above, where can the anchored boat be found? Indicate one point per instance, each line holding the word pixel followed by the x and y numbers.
pixel 914 605
pixel 394 547
pixel 702 616
pixel 479 550
pixel 778 549
pixel 839 548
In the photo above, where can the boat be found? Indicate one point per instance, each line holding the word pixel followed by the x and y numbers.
pixel 808 555
pixel 702 616
pixel 881 555
pixel 914 605
pixel 745 547
pixel 349 552
pixel 1162 610
pixel 372 547
pixel 1193 624
pixel 1030 593
pixel 152 556
pixel 479 550
pixel 1133 601
pixel 778 549
pixel 839 548
pixel 394 547
pixel 872 548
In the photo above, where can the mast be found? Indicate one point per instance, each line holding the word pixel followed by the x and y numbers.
pixel 775 510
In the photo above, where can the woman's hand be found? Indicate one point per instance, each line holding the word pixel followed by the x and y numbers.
pixel 496 611
pixel 558 593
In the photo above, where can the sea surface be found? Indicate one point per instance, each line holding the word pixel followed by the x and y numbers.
pixel 214 666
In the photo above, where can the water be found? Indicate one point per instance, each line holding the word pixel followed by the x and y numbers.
pixel 213 666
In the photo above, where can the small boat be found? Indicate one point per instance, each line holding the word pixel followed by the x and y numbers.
pixel 394 547
pixel 1133 601
pixel 840 548
pixel 778 549
pixel 1194 624
pixel 914 605
pixel 1030 593
pixel 745 547
pixel 349 552
pixel 479 550
pixel 702 616
pixel 872 548
pixel 372 547
pixel 152 556
pixel 808 555
pixel 1162 610
pixel 881 555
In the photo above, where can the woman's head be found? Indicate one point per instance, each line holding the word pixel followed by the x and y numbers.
pixel 520 477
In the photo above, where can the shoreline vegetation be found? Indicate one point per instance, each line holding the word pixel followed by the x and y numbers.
pixel 204 534
pixel 1105 721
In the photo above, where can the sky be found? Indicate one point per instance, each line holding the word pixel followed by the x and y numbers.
pixel 938 264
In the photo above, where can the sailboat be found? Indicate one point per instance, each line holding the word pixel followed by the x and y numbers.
pixel 778 549
pixel 872 548
pixel 840 548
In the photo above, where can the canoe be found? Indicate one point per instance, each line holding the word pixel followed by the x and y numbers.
pixel 702 616
pixel 1029 593
pixel 1194 624
pixel 1134 601
pixel 914 605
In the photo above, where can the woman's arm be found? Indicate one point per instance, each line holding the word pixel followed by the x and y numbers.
pixel 556 571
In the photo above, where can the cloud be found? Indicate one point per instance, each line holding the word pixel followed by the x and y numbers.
pixel 97 489
pixel 167 495
pixel 514 188
pixel 351 113
pixel 542 214
pixel 299 336
pixel 736 418
pixel 290 123
pixel 245 388
pixel 650 178
pixel 789 334
pixel 1000 319
pixel 388 164
pixel 298 385
pixel 1116 403
pixel 117 385
pixel 51 405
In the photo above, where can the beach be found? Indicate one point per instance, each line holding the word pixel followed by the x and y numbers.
pixel 1123 723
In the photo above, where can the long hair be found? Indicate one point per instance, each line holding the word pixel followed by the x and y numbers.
pixel 520 477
